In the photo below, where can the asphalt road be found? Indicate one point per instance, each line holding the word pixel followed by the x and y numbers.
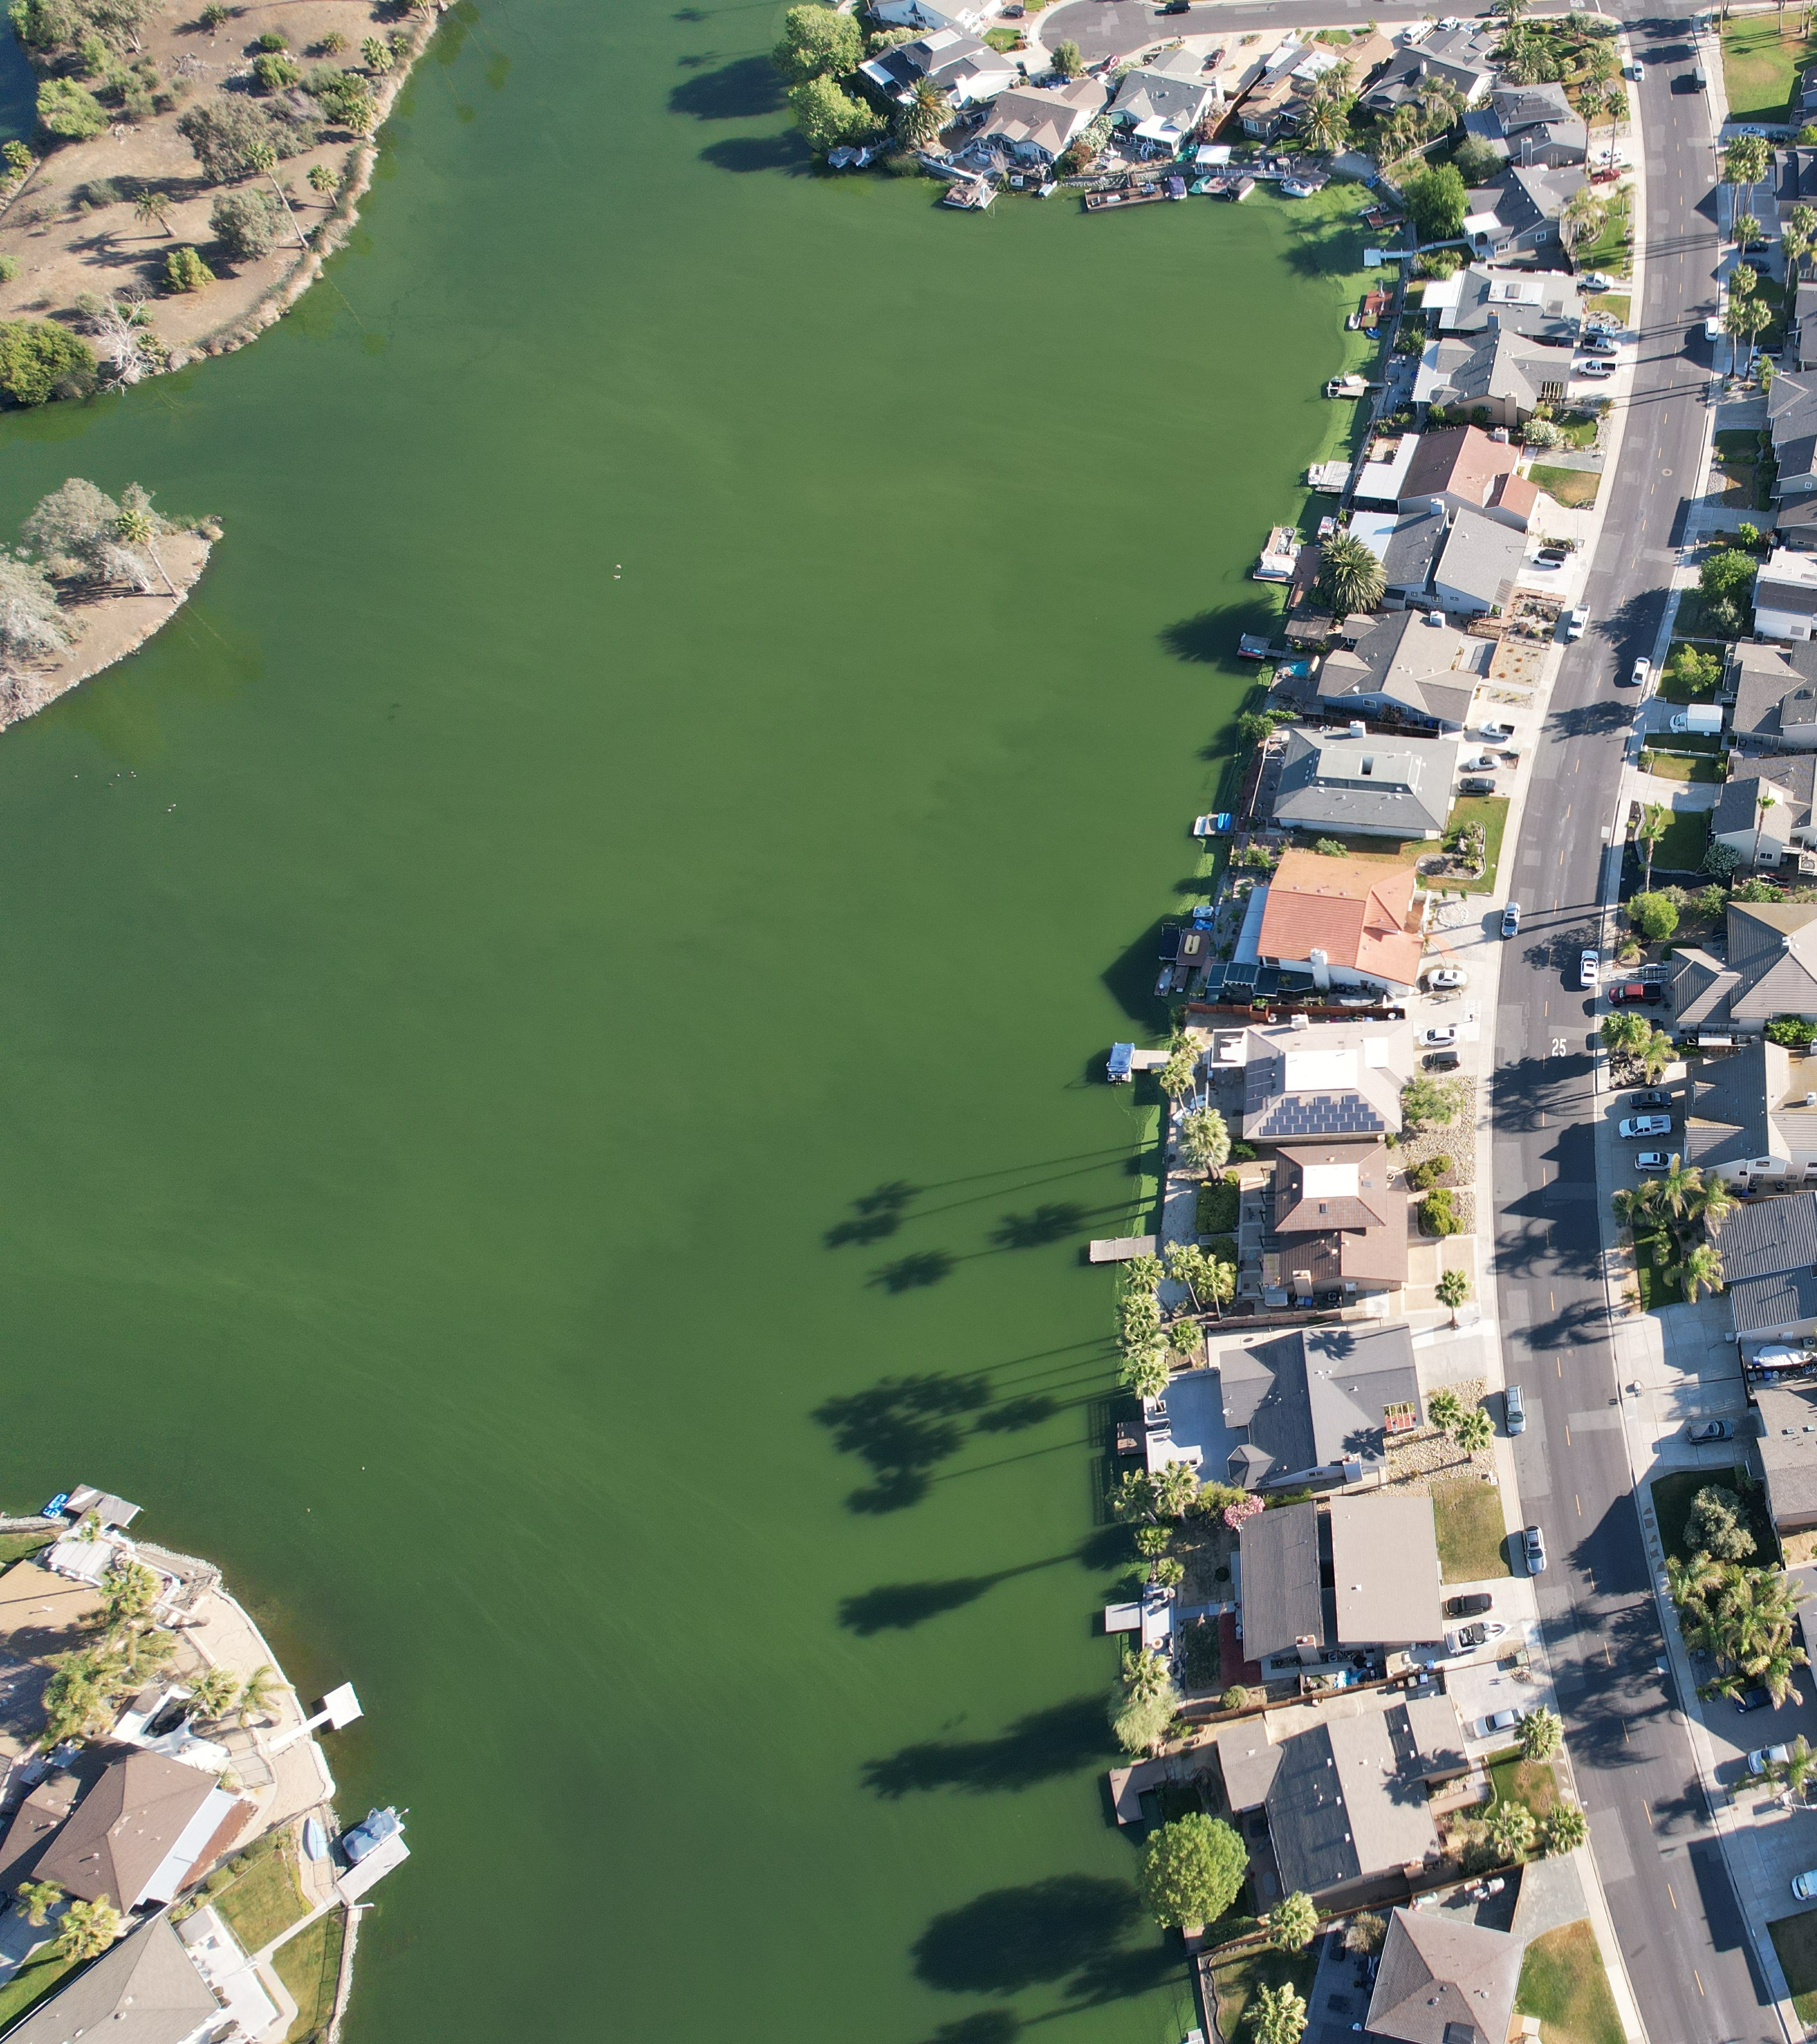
pixel 1675 1912
pixel 1114 28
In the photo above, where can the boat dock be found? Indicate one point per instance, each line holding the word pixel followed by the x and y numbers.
pixel 1149 192
pixel 969 195
pixel 1120 1248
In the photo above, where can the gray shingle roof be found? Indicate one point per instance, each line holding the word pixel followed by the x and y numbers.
pixel 1481 558
pixel 1404 660
pixel 1353 1375
pixel 1263 1391
pixel 1544 305
pixel 1792 414
pixel 1282 1601
pixel 1445 1980
pixel 1794 775
pixel 1388 785
pixel 1780 1300
pixel 1768 1236
pixel 144 1991
pixel 1788 1452
pixel 1775 699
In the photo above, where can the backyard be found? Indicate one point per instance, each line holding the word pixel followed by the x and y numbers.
pixel 31 1983
pixel 1238 1977
pixel 16 1546
pixel 1472 1540
pixel 1794 1939
pixel 1562 1982
pixel 1657 1290
pixel 1572 487
pixel 1672 1497
pixel 257 1893
pixel 1690 674
pixel 308 1966
pixel 1760 65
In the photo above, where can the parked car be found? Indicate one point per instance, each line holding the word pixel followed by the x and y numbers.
pixel 1710 1430
pixel 1646 1124
pixel 1498 732
pixel 1576 623
pixel 1651 1097
pixel 1467 1638
pixel 1602 343
pixel 1756 1698
pixel 1514 1409
pixel 1478 763
pixel 1764 1756
pixel 1804 1885
pixel 1641 674
pixel 1590 969
pixel 1553 555
pixel 1510 919
pixel 1602 323
pixel 1632 70
pixel 1441 1061
pixel 1445 977
pixel 1475 784
pixel 1500 1721
pixel 1593 368
pixel 1700 78
pixel 1637 990
pixel 1442 1038
pixel 1651 1160
pixel 1533 1541
pixel 1471 1606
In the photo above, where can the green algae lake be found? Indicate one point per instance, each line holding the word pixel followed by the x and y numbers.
pixel 551 1115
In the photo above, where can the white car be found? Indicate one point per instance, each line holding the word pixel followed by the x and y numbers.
pixel 1651 1160
pixel 1478 763
pixel 1643 674
pixel 1442 1038
pixel 1576 624
pixel 1804 1885
pixel 1764 1756
pixel 1590 969
pixel 1447 977
pixel 1646 1124
pixel 1500 1721
pixel 1597 281
pixel 1498 732
pixel 1632 69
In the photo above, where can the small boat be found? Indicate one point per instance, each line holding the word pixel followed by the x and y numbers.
pixel 969 195
pixel 1216 824
pixel 1236 189
pixel 1353 321
pixel 1347 386
pixel 1252 646
pixel 315 1838
pixel 1146 193
pixel 54 1509
pixel 1301 187
pixel 1199 184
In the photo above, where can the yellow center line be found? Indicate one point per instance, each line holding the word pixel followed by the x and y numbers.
pixel 1558 1364
pixel 1674 1897
pixel 1567 1433
pixel 1699 1978
pixel 1607 1655
pixel 1578 1501
pixel 1551 1302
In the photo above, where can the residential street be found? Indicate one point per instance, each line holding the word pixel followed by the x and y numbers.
pixel 1688 1953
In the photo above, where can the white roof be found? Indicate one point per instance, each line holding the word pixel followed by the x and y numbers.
pixel 1384 479
pixel 1442 293
pixel 1326 1182
pixel 1319 1071
pixel 1784 565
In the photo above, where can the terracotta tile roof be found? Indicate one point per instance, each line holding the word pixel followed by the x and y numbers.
pixel 1357 911
pixel 1459 461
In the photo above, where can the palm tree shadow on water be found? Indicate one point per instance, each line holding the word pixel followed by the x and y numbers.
pixel 1071 1931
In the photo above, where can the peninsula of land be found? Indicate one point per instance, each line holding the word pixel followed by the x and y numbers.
pixel 168 1843
pixel 192 169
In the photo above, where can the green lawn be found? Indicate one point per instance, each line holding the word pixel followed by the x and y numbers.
pixel 1686 840
pixel 1681 766
pixel 1794 1939
pixel 1579 428
pixel 1572 487
pixel 1673 684
pixel 16 1546
pixel 1237 1979
pixel 1672 1497
pixel 1692 623
pixel 1609 252
pixel 1759 67
pixel 308 1966
pixel 31 1983
pixel 1472 1544
pixel 1562 1982
pixel 1616 302
pixel 258 1895
pixel 1654 1291
pixel 1491 812
pixel 1532 1782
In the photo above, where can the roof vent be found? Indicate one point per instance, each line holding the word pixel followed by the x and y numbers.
pixel 1358 730
pixel 1810 1100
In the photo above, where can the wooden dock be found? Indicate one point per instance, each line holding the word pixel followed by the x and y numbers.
pixel 1121 1248
pixel 1142 195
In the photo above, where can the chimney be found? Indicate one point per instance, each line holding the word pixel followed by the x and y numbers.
pixel 1321 964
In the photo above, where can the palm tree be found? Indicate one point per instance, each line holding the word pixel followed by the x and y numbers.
pixel 1583 218
pixel 88 1929
pixel 262 159
pixel 920 119
pixel 1697 1269
pixel 1764 800
pixel 1566 1828
pixel 256 1691
pixel 1713 1204
pixel 1800 222
pixel 1678 1185
pixel 1475 1431
pixel 139 526
pixel 1327 126
pixel 1745 161
pixel 213 1693
pixel 1454 1289
pixel 1444 1409
pixel 148 206
pixel 1204 1138
pixel 1655 1054
pixel 1350 578
pixel 1744 320
pixel 128 1591
pixel 1655 821
pixel 40 1898
pixel 1798 1761
pixel 1147 1375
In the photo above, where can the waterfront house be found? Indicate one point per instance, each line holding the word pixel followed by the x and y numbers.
pixel 1407 544
pixel 1802 343
pixel 1334 1227
pixel 1760 835
pixel 1499 378
pixel 1774 696
pixel 146 1990
pixel 1792 419
pixel 1543 305
pixel 1785 1455
pixel 1769 968
pixel 1462 58
pixel 1166 101
pixel 1318 1081
pixel 1785 595
pixel 1403 665
pixel 930 15
pixel 1530 123
pixel 1480 564
pixel 1316 1404
pixel 1035 125
pixel 1457 468
pixel 1750 1117
pixel 1519 214
pixel 148 1828
pixel 1343 1783
pixel 1346 1572
pixel 1344 922
pixel 1768 1248
pixel 1444 1980
pixel 966 70
pixel 1395 787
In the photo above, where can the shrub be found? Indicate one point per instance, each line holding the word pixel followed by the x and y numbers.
pixel 224 134
pixel 40 360
pixel 1422 1177
pixel 1242 1153
pixel 246 223
pixel 1329 847
pixel 1191 1870
pixel 275 72
pixel 1234 1698
pixel 1218 1201
pixel 213 14
pixel 1542 433
pixel 1477 161
pixel 272 39
pixel 827 116
pixel 1794 1031
pixel 185 270
pixel 1438 1214
pixel 70 110
pixel 346 98
pixel 1655 917
pixel 1715 1525
pixel 8 269
pixel 1067 61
